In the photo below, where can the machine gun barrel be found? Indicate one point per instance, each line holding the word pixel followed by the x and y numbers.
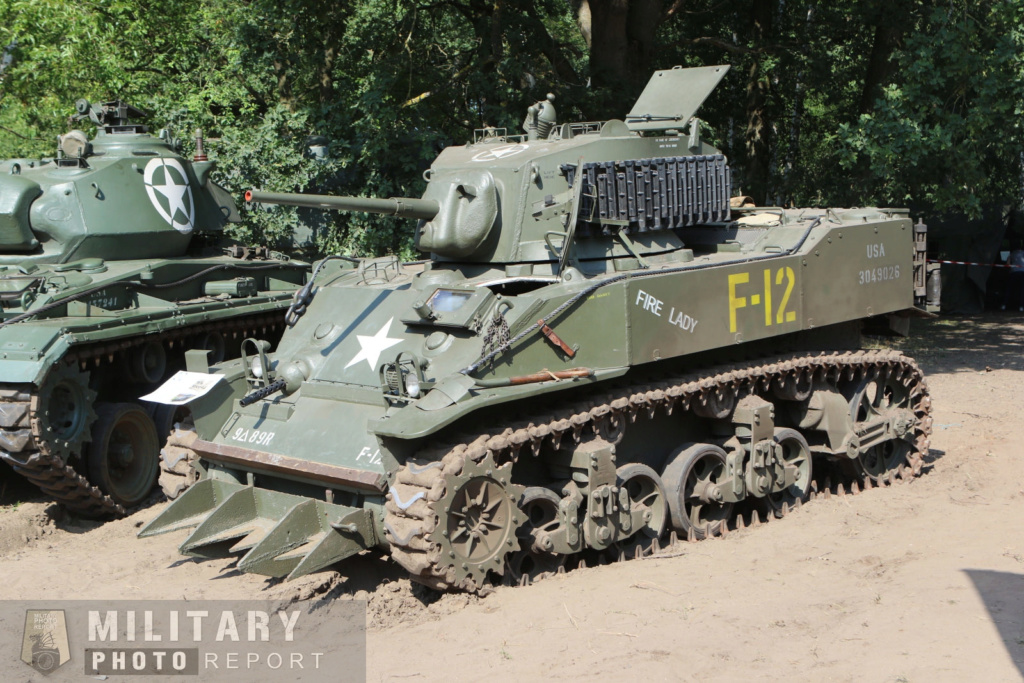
pixel 424 209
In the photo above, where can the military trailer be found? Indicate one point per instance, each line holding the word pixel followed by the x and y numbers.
pixel 603 348
pixel 109 270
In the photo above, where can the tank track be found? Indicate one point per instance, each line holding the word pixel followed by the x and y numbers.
pixel 49 471
pixel 410 517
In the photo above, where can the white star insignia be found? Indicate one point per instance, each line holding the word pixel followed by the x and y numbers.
pixel 181 210
pixel 372 347
pixel 175 198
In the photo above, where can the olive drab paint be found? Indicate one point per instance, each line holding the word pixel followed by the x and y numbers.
pixel 566 264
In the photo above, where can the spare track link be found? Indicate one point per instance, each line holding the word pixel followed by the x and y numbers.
pixel 410 517
pixel 49 472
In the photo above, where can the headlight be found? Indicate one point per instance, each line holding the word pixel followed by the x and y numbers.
pixel 256 367
pixel 412 384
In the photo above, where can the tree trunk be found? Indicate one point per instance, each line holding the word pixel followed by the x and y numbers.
pixel 486 18
pixel 549 47
pixel 284 86
pixel 755 181
pixel 621 35
pixel 888 34
pixel 327 75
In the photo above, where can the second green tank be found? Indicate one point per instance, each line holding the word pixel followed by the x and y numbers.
pixel 110 269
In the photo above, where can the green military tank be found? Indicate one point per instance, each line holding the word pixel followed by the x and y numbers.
pixel 604 348
pixel 109 270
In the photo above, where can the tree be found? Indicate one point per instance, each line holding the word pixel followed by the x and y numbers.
pixel 849 102
pixel 949 133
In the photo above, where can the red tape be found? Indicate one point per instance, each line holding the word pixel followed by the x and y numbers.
pixel 968 263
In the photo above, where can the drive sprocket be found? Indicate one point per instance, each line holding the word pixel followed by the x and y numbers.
pixel 62 412
pixel 438 500
pixel 478 517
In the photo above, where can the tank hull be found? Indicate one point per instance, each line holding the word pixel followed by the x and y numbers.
pixel 111 269
pixel 604 349
pixel 109 338
pixel 681 344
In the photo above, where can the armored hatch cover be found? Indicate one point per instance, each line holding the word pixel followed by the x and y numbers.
pixel 673 96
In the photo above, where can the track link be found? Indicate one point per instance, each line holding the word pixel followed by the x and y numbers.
pixel 62 482
pixel 21 448
pixel 410 514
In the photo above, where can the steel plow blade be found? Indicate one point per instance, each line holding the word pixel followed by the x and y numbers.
pixel 280 534
pixel 310 536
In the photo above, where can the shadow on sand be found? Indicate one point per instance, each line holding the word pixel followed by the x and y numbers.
pixel 1003 595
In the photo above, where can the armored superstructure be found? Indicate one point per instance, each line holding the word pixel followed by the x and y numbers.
pixel 603 347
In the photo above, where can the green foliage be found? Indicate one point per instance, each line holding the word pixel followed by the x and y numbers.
pixel 392 82
pixel 950 133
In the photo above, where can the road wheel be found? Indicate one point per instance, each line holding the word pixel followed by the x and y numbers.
pixel 123 458
pixel 795 453
pixel 691 479
pixel 646 494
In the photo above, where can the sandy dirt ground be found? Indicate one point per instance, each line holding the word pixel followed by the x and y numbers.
pixel 922 581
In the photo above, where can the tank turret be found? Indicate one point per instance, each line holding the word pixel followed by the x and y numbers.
pixel 73 206
pixel 602 190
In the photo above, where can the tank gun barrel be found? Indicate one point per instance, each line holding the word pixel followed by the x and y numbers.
pixel 424 209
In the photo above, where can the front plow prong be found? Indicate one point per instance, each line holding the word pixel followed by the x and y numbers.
pixel 310 536
pixel 336 545
pixel 192 507
pixel 295 529
pixel 234 518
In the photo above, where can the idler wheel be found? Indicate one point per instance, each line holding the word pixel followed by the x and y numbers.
pixel 881 395
pixel 123 459
pixel 792 450
pixel 694 501
pixel 540 506
pixel 883 458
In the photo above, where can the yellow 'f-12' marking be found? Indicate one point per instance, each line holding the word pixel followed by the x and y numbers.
pixel 781 315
